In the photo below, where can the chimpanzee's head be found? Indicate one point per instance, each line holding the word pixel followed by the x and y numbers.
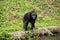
pixel 33 14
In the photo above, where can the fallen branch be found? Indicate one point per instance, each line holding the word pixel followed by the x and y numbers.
pixel 50 30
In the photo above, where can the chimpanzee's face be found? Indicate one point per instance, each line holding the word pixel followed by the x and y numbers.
pixel 33 15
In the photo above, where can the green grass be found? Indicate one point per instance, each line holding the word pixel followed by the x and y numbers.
pixel 20 7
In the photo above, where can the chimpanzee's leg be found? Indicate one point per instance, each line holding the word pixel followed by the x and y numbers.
pixel 33 25
pixel 25 25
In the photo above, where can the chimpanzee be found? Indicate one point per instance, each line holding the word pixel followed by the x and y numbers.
pixel 29 17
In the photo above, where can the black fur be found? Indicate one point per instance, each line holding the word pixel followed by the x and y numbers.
pixel 28 18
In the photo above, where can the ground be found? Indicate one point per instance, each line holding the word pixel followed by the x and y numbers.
pixel 12 11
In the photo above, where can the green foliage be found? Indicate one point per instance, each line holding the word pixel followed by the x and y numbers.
pixel 20 7
pixel 5 36
pixel 15 9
